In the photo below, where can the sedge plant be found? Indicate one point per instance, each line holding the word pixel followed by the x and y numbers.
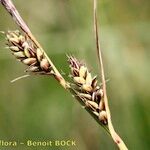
pixel 83 86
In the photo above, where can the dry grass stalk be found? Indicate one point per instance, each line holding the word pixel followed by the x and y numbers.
pixel 117 139
pixel 9 6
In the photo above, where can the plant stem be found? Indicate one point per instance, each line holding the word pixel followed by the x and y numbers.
pixel 9 6
pixel 113 133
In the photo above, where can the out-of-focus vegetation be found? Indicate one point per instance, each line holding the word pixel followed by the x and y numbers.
pixel 38 108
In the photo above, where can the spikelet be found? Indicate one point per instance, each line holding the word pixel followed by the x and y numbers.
pixel 87 89
pixel 26 52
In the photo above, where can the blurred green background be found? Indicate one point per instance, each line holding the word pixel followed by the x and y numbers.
pixel 38 108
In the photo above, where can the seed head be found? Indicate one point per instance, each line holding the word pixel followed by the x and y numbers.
pixel 27 52
pixel 87 88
